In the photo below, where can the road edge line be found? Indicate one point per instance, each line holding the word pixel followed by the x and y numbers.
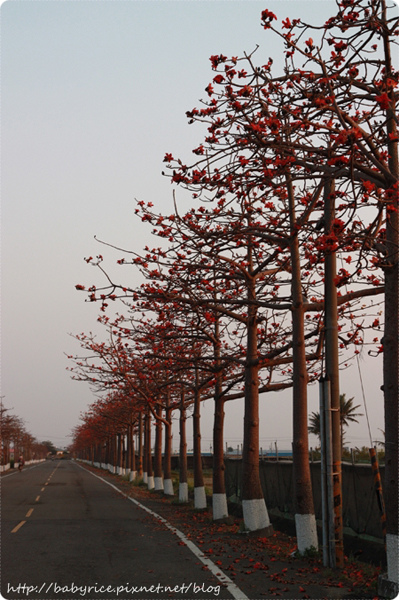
pixel 216 571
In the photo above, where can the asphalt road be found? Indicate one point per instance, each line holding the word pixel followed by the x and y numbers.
pixel 66 534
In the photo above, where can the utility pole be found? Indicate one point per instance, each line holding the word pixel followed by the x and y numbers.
pixel 327 488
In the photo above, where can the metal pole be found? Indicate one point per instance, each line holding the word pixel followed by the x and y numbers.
pixel 323 467
pixel 378 490
pixel 332 364
pixel 332 549
pixel 327 493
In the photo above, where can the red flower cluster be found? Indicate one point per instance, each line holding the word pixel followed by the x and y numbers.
pixel 267 17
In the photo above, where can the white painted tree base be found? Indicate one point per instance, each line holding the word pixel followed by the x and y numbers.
pixel 145 477
pixel 183 492
pixel 306 532
pixel 150 482
pixel 219 506
pixel 393 557
pixel 132 475
pixel 255 514
pixel 199 497
pixel 158 484
pixel 168 487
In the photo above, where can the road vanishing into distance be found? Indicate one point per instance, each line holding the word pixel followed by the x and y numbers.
pixel 66 534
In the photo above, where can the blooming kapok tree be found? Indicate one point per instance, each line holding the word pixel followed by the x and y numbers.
pixel 13 435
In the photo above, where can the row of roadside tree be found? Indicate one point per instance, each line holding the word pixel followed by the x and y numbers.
pixel 16 441
pixel 276 275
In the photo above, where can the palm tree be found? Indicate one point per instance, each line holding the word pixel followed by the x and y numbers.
pixel 380 442
pixel 314 424
pixel 348 415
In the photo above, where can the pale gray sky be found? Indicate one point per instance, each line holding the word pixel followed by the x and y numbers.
pixel 93 95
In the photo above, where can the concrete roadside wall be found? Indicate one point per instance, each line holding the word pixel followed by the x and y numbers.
pixel 360 506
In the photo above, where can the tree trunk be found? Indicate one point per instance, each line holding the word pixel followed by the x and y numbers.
pixel 132 460
pixel 199 488
pixel 140 465
pixel 128 453
pixel 123 465
pixel 114 454
pixel 103 453
pixel 253 503
pixel 119 454
pixel 158 480
pixel 183 485
pixel 107 452
pixel 305 519
pixel 219 500
pixel 167 467
pixel 150 472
